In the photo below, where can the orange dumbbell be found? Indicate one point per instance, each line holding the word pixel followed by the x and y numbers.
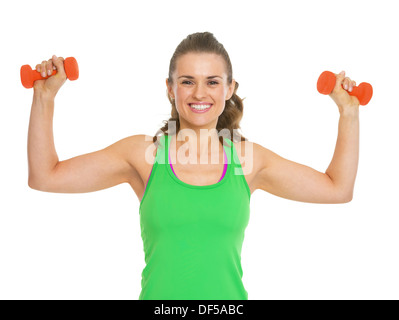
pixel 29 76
pixel 326 84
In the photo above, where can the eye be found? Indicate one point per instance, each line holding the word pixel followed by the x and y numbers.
pixel 186 81
pixel 213 82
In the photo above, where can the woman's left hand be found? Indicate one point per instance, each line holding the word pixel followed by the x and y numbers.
pixel 341 95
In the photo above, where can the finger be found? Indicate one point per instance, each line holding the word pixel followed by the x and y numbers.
pixel 49 67
pixel 59 64
pixel 43 68
pixel 348 84
pixel 38 68
pixel 339 78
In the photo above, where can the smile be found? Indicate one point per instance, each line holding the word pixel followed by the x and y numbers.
pixel 200 108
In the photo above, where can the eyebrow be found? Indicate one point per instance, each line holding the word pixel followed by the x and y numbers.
pixel 190 77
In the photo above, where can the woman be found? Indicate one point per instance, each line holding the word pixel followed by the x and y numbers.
pixel 194 195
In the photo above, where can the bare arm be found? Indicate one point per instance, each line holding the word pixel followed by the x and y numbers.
pixel 294 181
pixel 89 172
pixel 343 167
pixel 42 157
pixel 298 182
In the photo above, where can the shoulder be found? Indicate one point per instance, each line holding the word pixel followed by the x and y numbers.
pixel 135 143
pixel 248 150
pixel 138 150
pixel 248 153
pixel 253 157
pixel 141 146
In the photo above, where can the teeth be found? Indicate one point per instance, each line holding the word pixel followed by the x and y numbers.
pixel 200 107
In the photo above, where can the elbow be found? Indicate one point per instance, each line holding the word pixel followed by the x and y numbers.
pixel 33 184
pixel 347 198
pixel 33 179
pixel 41 182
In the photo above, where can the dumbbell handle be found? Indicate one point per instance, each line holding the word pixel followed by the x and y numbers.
pixel 29 76
pixel 326 84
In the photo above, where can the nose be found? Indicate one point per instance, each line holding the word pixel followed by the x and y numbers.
pixel 199 92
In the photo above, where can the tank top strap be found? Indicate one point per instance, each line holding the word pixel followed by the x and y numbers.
pixel 160 154
pixel 236 171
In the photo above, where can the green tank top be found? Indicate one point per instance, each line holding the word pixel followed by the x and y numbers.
pixel 192 235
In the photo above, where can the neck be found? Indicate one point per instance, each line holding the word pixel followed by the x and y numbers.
pixel 200 143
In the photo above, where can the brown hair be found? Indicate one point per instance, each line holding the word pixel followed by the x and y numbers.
pixel 230 118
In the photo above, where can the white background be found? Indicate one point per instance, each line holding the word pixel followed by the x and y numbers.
pixel 88 246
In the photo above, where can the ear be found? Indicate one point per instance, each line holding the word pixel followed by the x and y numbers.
pixel 169 88
pixel 231 90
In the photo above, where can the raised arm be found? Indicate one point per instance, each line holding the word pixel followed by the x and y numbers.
pixel 298 182
pixel 89 172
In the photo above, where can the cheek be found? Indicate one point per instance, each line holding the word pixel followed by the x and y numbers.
pixel 182 93
pixel 221 96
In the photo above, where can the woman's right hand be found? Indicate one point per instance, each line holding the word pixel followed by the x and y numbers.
pixel 51 85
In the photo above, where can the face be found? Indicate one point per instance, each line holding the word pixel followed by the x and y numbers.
pixel 200 78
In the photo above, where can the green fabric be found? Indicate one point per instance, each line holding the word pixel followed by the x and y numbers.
pixel 193 235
